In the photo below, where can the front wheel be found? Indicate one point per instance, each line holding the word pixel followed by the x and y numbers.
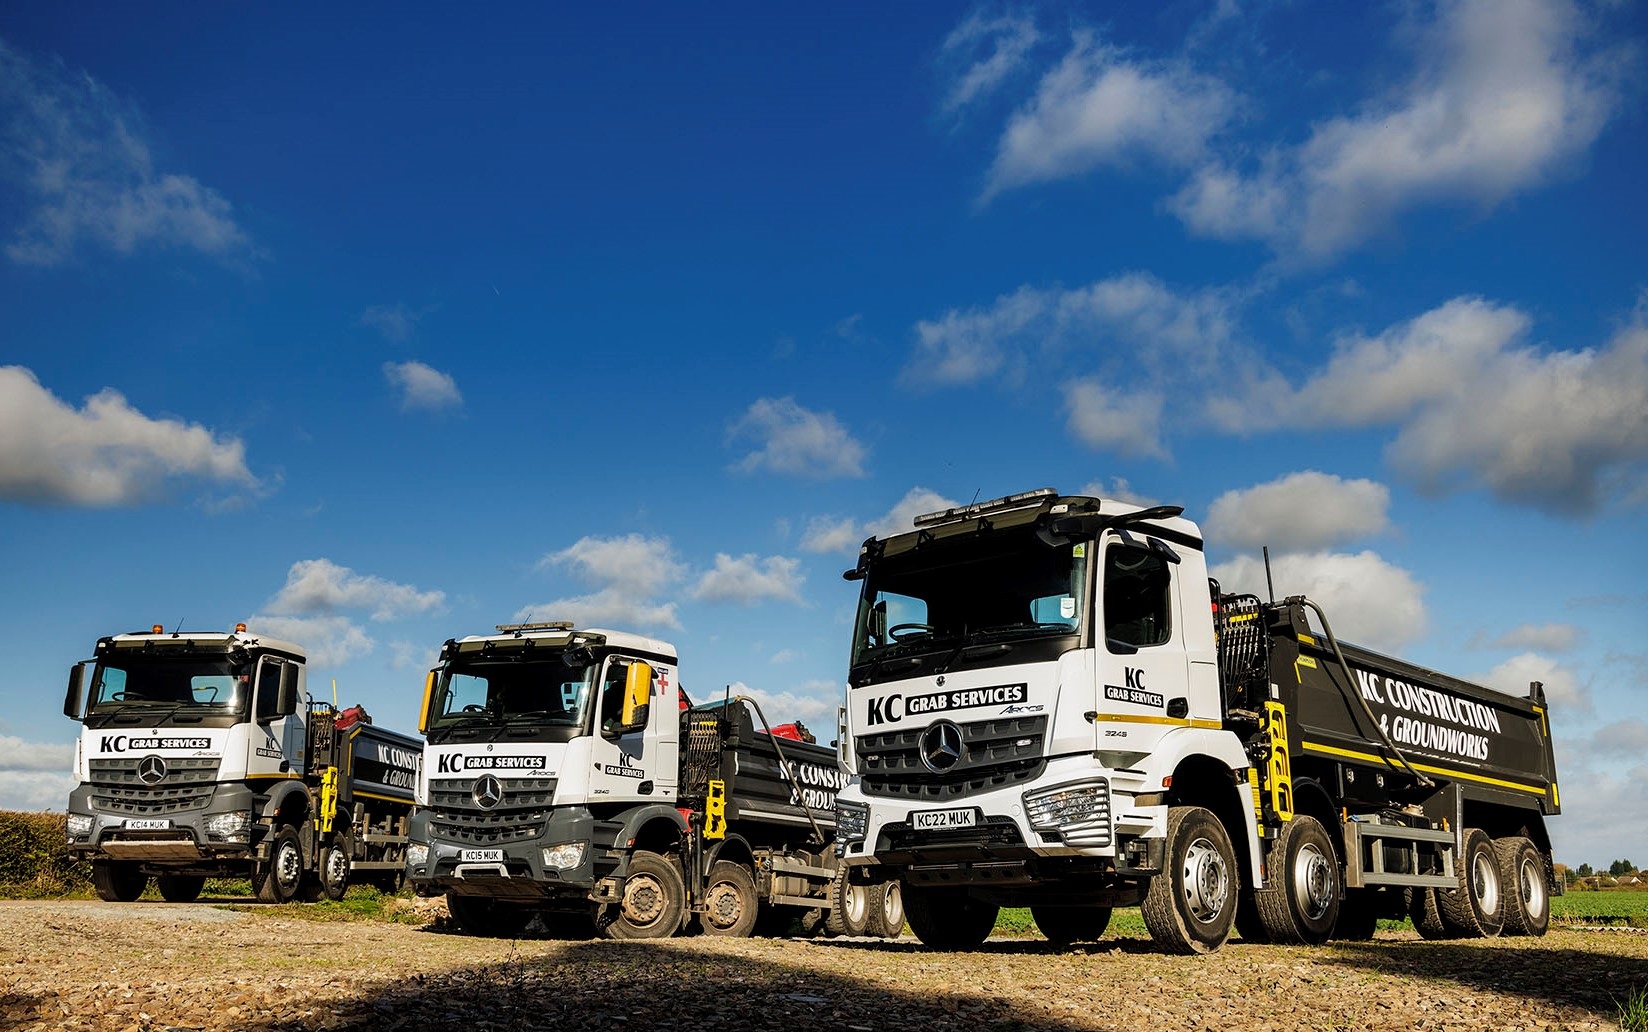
pixel 278 878
pixel 1300 900
pixel 733 906
pixel 947 918
pixel 1191 905
pixel 118 881
pixel 1063 926
pixel 1477 907
pixel 892 908
pixel 180 888
pixel 485 917
pixel 653 902
pixel 1522 875
pixel 334 870
pixel 854 909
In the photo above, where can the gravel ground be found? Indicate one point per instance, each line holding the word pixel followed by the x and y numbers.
pixel 143 966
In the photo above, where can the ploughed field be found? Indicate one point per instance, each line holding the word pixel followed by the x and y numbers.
pixel 92 965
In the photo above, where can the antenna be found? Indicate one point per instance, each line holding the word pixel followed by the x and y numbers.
pixel 1270 585
pixel 179 626
pixel 976 491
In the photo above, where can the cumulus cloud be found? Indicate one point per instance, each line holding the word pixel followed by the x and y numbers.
pixel 984 52
pixel 1552 637
pixel 1480 406
pixel 422 387
pixel 79 160
pixel 21 755
pixel 1120 490
pixel 797 441
pixel 395 322
pixel 322 586
pixel 844 534
pixel 1562 688
pixel 1501 100
pixel 608 607
pixel 1628 737
pixel 628 573
pixel 1101 106
pixel 105 454
pixel 330 639
pixel 1300 512
pixel 1370 602
pixel 748 579
pixel 812 701
pixel 1615 798
pixel 1126 422
pixel 31 791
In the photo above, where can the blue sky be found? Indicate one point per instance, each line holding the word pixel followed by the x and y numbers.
pixel 381 327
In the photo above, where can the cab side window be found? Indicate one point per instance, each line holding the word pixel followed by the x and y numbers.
pixel 1137 584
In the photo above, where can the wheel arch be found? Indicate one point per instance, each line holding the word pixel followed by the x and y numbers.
pixel 656 828
pixel 1212 783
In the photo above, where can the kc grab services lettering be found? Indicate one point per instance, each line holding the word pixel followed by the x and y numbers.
pixel 897 706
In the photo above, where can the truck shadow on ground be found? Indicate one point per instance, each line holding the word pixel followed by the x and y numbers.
pixel 601 984
pixel 1596 980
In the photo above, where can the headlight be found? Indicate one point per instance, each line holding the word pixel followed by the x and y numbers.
pixel 229 827
pixel 80 825
pixel 564 856
pixel 852 821
pixel 1080 813
pixel 417 855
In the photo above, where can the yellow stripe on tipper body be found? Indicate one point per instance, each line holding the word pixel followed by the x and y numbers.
pixel 1447 772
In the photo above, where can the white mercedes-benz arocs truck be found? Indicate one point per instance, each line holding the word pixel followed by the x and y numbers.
pixel 566 776
pixel 201 756
pixel 1050 705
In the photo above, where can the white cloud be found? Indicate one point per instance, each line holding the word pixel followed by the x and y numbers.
pixel 748 579
pixel 1628 737
pixel 1100 107
pixel 609 607
pixel 633 564
pixel 1300 512
pixel 992 49
pixel 1368 600
pixel 105 454
pixel 1127 422
pixel 829 534
pixel 81 164
pixel 1500 102
pixel 328 640
pixel 422 387
pixel 795 440
pixel 20 755
pixel 31 791
pixel 1562 688
pixel 321 586
pixel 1552 637
pixel 1120 490
pixel 784 656
pixel 1478 406
pixel 395 322
pixel 1614 800
pixel 814 702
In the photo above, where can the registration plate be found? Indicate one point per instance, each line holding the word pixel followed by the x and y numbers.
pixel 481 856
pixel 147 824
pixel 938 820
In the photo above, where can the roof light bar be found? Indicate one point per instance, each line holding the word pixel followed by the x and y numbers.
pixel 961 512
pixel 554 625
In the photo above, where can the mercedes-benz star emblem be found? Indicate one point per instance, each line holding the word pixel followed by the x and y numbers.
pixel 488 792
pixel 941 746
pixel 151 770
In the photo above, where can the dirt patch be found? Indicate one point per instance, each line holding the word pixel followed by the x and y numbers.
pixel 146 966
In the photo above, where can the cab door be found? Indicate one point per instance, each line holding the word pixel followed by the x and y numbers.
pixel 625 755
pixel 1143 689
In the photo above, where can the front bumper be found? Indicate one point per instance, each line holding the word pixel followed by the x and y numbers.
pixel 220 830
pixel 520 869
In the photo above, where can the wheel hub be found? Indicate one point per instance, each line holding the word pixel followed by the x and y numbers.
pixel 1206 881
pixel 725 906
pixel 1313 882
pixel 1485 883
pixel 643 899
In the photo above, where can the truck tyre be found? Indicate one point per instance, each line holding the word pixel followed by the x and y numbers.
pixel 1063 926
pixel 118 881
pixel 733 905
pixel 1300 901
pixel 892 908
pixel 854 909
pixel 180 888
pixel 947 918
pixel 1522 879
pixel 1427 916
pixel 1250 927
pixel 1191 905
pixel 1358 915
pixel 653 903
pixel 487 918
pixel 334 870
pixel 1477 907
pixel 277 880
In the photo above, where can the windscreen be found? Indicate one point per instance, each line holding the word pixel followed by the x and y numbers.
pixel 198 685
pixel 972 599
pixel 514 692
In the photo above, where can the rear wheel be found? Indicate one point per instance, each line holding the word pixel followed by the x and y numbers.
pixel 1427 916
pixel 481 916
pixel 278 878
pixel 1477 906
pixel 1063 926
pixel 653 902
pixel 1191 905
pixel 1522 877
pixel 118 881
pixel 1300 900
pixel 733 906
pixel 947 918
pixel 334 870
pixel 892 908
pixel 854 909
pixel 180 888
